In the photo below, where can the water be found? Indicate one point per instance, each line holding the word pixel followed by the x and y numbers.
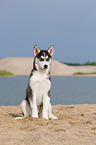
pixel 65 90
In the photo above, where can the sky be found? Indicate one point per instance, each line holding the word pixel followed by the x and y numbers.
pixel 69 25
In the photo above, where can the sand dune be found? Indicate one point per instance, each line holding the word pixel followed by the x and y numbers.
pixel 16 65
pixel 85 69
pixel 23 66
pixel 76 125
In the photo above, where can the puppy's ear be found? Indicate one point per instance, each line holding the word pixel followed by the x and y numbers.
pixel 36 50
pixel 51 50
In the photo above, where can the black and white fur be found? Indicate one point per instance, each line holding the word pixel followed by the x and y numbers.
pixel 37 101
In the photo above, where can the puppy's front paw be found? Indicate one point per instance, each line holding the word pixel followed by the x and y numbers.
pixel 45 116
pixel 52 117
pixel 35 116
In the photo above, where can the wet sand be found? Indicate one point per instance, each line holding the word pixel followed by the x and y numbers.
pixel 76 125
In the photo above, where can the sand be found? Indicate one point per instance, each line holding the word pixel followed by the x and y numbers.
pixel 76 126
pixel 23 66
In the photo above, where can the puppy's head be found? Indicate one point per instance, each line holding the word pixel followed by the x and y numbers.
pixel 43 58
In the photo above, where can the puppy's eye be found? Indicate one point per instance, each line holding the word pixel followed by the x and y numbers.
pixel 41 59
pixel 47 59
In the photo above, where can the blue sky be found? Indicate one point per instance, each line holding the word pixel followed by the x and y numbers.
pixel 69 25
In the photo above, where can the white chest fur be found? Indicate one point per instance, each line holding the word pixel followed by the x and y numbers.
pixel 40 85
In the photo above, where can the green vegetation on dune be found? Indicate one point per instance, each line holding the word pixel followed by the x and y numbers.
pixel 81 64
pixel 80 73
pixel 5 73
pixel 90 63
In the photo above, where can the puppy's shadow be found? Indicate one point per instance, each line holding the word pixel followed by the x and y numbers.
pixel 15 115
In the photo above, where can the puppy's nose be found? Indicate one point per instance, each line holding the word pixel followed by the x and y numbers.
pixel 45 66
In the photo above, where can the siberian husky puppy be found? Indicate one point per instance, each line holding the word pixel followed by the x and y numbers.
pixel 37 101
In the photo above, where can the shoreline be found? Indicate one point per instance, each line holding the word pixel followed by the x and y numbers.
pixel 54 75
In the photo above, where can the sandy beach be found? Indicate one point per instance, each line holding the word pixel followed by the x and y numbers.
pixel 76 125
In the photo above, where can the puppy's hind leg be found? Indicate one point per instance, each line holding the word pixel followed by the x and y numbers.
pixel 51 116
pixel 26 110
